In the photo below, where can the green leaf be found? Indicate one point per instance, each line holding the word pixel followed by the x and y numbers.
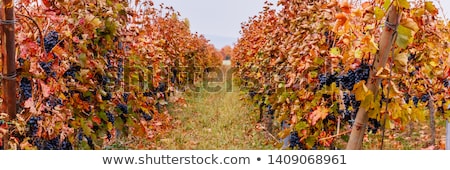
pixel 102 115
pixel 83 59
pixel 386 4
pixel 318 60
pixel 379 13
pixel 429 6
pixel 335 51
pixel 404 36
pixel 301 125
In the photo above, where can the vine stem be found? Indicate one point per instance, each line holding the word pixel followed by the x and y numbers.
pixel 337 135
pixel 386 113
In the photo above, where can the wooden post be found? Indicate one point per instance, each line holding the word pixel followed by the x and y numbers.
pixel 9 61
pixel 386 42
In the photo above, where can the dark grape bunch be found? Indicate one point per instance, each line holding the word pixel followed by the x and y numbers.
pixel 103 80
pixel 47 67
pixel 374 125
pixel 110 117
pixel 25 87
pixel 52 102
pixel 270 110
pixel 328 79
pixel 446 83
pixel 353 77
pixel 123 108
pixel 294 141
pixel 146 116
pixel 415 100
pixel 53 144
pixel 33 126
pixel 350 100
pixel 50 40
pixel 120 70
pixel 348 80
pixel 125 97
pixel 252 94
pixel 71 72
pixel 108 96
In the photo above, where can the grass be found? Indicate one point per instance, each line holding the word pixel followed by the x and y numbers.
pixel 214 121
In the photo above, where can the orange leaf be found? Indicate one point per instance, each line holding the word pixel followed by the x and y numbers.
pixel 97 120
pixel 29 103
pixel 319 113
pixel 45 89
pixel 345 6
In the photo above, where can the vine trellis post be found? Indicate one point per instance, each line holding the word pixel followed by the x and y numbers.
pixel 8 53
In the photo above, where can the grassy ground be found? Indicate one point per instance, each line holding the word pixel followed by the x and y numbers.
pixel 214 120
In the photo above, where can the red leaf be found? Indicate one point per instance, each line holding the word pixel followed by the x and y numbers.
pixel 97 120
pixel 45 89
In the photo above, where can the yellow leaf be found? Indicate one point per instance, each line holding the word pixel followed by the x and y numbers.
pixel 368 101
pixel 319 113
pixel 383 73
pixel 379 13
pixel 429 6
pixel 410 23
pixel 401 59
pixel 360 90
pixel 401 62
pixel 404 4
pixel 394 90
pixel 434 64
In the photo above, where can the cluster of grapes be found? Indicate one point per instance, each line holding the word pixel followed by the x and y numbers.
pixel 294 141
pixel 102 80
pixel 350 101
pixel 53 144
pixel 374 125
pixel 123 108
pixel 52 102
pixel 110 117
pixel 353 77
pixel 270 110
pixel 25 87
pixel 348 80
pixel 50 40
pixel 33 126
pixel 446 83
pixel 424 98
pixel 120 70
pixel 71 72
pixel 108 96
pixel 81 137
pixel 252 94
pixel 146 116
pixel 174 77
pixel 125 97
pixel 47 67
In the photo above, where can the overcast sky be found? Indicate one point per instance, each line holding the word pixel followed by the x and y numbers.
pixel 220 20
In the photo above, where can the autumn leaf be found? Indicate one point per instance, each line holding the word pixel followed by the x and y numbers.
pixel 404 37
pixel 318 114
pixel 429 6
pixel 360 90
pixel 404 4
pixel 410 24
pixel 45 89
pixel 401 61
pixel 29 103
